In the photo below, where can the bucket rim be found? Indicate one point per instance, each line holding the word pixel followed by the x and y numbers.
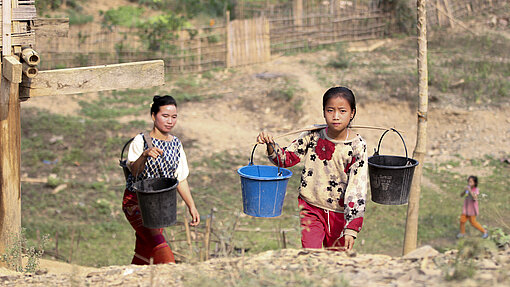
pixel 243 175
pixel 174 186
pixel 413 164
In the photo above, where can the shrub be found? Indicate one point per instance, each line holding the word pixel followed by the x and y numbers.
pixel 125 16
pixel 17 248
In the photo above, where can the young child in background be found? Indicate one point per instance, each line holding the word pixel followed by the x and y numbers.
pixel 335 174
pixel 470 208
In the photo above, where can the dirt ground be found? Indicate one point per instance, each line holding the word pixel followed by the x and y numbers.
pixel 290 267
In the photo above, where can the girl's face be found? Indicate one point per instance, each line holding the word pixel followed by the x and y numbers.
pixel 471 182
pixel 338 114
pixel 166 118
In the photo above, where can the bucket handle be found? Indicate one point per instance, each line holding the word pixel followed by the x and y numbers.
pixel 147 138
pixel 277 156
pixel 380 140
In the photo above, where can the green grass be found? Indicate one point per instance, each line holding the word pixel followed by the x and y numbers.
pixel 477 73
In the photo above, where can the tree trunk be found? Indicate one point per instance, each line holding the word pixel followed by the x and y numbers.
pixel 411 232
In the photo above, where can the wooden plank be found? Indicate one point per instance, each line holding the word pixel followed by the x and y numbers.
pixel 12 69
pixel 135 75
pixel 23 13
pixel 51 27
pixel 22 39
pixel 23 2
pixel 6 28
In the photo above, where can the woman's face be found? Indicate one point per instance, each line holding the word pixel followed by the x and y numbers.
pixel 338 113
pixel 166 118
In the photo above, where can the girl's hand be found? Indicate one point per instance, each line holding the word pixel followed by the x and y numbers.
pixel 265 138
pixel 153 152
pixel 349 242
pixel 268 140
pixel 195 216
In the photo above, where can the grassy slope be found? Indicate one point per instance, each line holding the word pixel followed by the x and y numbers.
pixel 90 223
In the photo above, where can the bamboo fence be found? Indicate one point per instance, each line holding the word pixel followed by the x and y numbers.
pixel 261 28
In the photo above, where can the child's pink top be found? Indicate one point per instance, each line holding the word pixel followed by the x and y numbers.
pixel 470 207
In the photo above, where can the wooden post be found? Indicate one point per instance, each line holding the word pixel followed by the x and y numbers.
pixel 228 51
pixel 448 11
pixel 10 141
pixel 199 53
pixel 439 16
pixel 411 232
pixel 10 135
pixel 188 236
pixel 297 13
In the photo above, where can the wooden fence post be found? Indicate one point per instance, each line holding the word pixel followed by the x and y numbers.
pixel 228 51
pixel 297 13
pixel 411 232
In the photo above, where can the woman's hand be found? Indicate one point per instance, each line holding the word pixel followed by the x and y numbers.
pixel 153 152
pixel 195 216
pixel 349 242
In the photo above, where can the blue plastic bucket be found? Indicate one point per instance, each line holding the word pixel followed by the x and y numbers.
pixel 263 188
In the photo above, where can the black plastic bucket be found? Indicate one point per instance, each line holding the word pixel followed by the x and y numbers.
pixel 157 201
pixel 390 176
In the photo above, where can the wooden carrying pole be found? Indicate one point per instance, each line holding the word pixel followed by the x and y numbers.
pixel 411 232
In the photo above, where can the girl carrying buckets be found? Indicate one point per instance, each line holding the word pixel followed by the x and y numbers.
pixel 165 159
pixel 335 174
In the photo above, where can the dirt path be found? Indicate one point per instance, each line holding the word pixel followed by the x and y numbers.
pixel 293 267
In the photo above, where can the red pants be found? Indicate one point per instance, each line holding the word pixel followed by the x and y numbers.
pixel 320 227
pixel 150 243
pixel 472 219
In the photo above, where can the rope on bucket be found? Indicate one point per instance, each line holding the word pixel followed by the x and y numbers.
pixel 279 173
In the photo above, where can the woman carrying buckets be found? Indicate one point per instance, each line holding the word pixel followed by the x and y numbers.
pixel 335 174
pixel 166 159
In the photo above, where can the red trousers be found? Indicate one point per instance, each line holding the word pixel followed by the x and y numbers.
pixel 150 243
pixel 321 228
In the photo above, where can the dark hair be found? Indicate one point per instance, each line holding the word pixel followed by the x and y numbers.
pixel 342 92
pixel 475 179
pixel 159 101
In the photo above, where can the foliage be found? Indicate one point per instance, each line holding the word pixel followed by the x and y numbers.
pixel 17 249
pixel 78 18
pixel 158 31
pixel 125 16
pixel 500 238
pixel 213 8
